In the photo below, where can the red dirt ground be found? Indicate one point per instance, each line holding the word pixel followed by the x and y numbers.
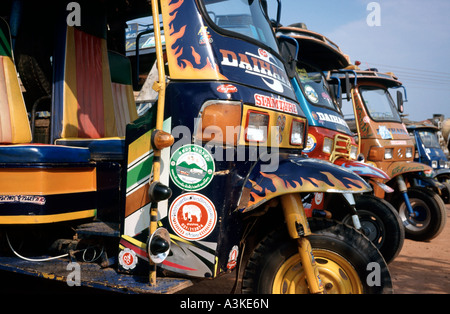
pixel 424 267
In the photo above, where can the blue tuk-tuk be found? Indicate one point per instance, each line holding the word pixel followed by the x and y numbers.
pixel 429 152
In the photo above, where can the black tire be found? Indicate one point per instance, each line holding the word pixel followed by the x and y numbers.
pixel 349 247
pixel 432 214
pixel 446 192
pixel 380 223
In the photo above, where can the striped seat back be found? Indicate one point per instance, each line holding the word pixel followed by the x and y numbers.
pixel 82 104
pixel 14 123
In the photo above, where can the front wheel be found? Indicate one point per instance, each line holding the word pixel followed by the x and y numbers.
pixel 429 216
pixel 348 263
pixel 380 223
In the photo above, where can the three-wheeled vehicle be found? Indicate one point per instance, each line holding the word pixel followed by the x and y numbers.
pixel 385 142
pixel 429 151
pixel 205 182
pixel 329 138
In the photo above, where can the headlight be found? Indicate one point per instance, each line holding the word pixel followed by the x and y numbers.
pixel 327 145
pixel 434 164
pixel 216 118
pixel 376 153
pixel 353 152
pixel 257 126
pixel 388 153
pixel 297 132
pixel 409 152
pixel 447 164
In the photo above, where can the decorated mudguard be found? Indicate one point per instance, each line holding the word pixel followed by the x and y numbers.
pixel 297 174
pixel 362 169
pixel 401 167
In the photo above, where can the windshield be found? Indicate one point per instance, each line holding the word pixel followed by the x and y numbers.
pixel 379 104
pixel 245 17
pixel 429 139
pixel 316 88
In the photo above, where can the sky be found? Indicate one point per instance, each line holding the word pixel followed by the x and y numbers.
pixel 412 41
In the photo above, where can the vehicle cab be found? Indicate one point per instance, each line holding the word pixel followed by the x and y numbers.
pixel 373 114
pixel 329 136
pixel 429 151
pixel 385 142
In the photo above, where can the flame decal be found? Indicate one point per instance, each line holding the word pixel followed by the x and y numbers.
pixel 269 186
pixel 188 59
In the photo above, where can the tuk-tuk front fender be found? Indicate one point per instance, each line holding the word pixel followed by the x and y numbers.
pixel 441 172
pixel 362 169
pixel 297 174
pixel 402 167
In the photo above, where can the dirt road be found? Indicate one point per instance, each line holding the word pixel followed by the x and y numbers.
pixel 424 267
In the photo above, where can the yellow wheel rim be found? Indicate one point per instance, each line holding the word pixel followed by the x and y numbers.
pixel 337 274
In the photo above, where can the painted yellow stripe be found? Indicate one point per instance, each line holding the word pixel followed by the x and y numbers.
pixel 137 243
pixel 21 132
pixel 139 147
pixel 70 120
pixel 15 220
pixel 32 181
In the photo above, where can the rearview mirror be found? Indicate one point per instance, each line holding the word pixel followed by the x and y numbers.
pixel 347 86
pixel 400 101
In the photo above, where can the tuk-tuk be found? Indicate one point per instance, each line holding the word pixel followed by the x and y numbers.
pixel 329 138
pixel 384 141
pixel 429 151
pixel 205 182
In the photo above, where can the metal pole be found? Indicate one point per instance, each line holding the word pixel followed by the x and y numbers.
pixel 160 87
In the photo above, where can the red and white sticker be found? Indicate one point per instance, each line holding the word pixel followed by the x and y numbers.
pixel 227 89
pixel 192 216
pixel 232 257
pixel 127 258
pixel 275 103
pixel 262 53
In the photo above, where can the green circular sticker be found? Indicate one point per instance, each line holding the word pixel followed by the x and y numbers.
pixel 191 167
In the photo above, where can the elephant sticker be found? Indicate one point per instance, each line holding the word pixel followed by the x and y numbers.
pixel 190 211
pixel 192 216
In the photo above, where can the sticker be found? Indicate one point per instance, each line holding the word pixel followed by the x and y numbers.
pixel 260 64
pixel 263 54
pixel 275 103
pixel 127 259
pixel 318 198
pixel 281 124
pixel 327 98
pixel 205 36
pixel 192 216
pixel 311 144
pixel 322 116
pixel 232 257
pixel 24 199
pixel 191 167
pixel 395 143
pixel 227 89
pixel 311 94
pixel 385 133
pixel 366 119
